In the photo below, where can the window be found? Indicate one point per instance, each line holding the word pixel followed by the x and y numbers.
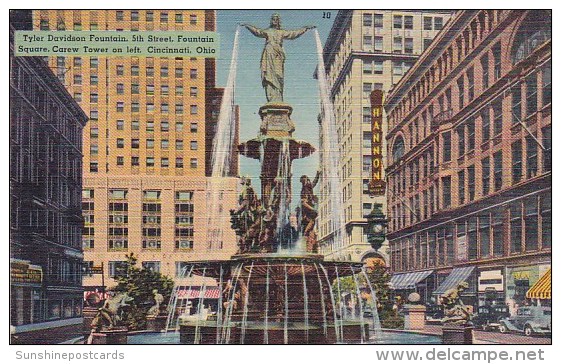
pixel 367 41
pixel 497 217
pixel 378 20
pixel 367 19
pixel 152 266
pixel 408 45
pixel 120 70
pixel 472 238
pixel 135 125
pixel 135 161
pixel 485 71
pixel 135 107
pixel 531 234
pixel 426 43
pixel 164 126
pixel 531 93
pixel 485 125
pixel 150 143
pixel 120 143
pixel 531 157
pixel 77 79
pixel 94 98
pixel 461 187
pixel 446 192
pixel 427 23
pixel 78 96
pixel 179 109
pixel 194 145
pixel 438 23
pixel 94 114
pixel 94 149
pixel 378 67
pixel 366 115
pixel 397 21
pixel 367 67
pixel 120 161
pixel 484 235
pixel 193 128
pixel 135 89
pixel 149 71
pixel 545 212
pixel 135 143
pixel 460 83
pixel 120 89
pixel 93 167
pixel 397 44
pixel 546 84
pixel 497 117
pixel 378 43
pixel 149 16
pixel 193 91
pixel 164 108
pixel 515 228
pixel 179 144
pixel 163 17
pixel 193 73
pixel 461 141
pixel 178 90
pixel 164 72
pixel 470 128
pixel 193 19
pixel 471 182
pixel 118 268
pixel 135 70
pixel 165 162
pixel 397 68
pixel 546 142
pixel 486 175
pixel 149 161
pixel 178 162
pixel 178 18
pixel 194 110
pixel 178 72
pixel 471 84
pixel 164 144
pixel 498 170
pixel 366 90
pixel 516 162
pixel 408 22
pixel 496 50
pixel 120 106
pixel 447 146
pixel 194 163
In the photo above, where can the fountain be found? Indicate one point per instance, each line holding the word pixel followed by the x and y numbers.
pixel 277 288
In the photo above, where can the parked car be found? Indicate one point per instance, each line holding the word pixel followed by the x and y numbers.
pixel 488 317
pixel 530 320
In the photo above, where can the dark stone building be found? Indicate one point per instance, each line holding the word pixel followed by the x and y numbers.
pixel 45 201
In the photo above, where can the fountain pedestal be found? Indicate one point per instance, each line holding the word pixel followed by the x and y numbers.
pixel 89 314
pixel 457 334
pixel 414 317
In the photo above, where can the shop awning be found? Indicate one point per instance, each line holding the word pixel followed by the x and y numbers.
pixel 542 288
pixel 458 275
pixel 408 280
pixel 194 293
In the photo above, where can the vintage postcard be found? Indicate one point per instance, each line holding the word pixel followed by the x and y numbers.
pixel 281 177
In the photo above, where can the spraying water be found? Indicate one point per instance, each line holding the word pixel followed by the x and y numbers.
pixel 221 154
pixel 330 167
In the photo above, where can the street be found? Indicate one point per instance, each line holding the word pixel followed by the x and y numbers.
pixel 495 337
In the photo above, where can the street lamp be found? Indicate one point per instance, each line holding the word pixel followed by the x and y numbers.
pixel 376 227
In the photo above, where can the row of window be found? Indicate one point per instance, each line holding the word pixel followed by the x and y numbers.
pixel 164 71
pixel 120 16
pixel 150 162
pixel 121 194
pixel 402 21
pixel 164 126
pixel 522 226
pixel 164 144
pixel 119 268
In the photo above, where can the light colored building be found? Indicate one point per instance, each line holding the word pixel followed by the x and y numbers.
pixel 470 159
pixel 144 145
pixel 366 50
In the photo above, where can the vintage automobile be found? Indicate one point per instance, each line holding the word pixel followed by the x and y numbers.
pixel 530 320
pixel 488 317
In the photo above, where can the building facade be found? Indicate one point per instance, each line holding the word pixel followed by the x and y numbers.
pixel 366 50
pixel 469 146
pixel 45 188
pixel 144 178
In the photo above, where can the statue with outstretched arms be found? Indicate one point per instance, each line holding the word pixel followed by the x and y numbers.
pixel 273 56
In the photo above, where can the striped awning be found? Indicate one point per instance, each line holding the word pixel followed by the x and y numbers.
pixel 408 280
pixel 458 275
pixel 542 288
pixel 193 293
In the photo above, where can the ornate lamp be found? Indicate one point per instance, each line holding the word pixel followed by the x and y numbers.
pixel 376 227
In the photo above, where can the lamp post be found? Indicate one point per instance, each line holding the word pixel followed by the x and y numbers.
pixel 376 227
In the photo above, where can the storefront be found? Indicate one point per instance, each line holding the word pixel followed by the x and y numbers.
pixel 518 283
pixel 490 287
pixel 25 293
pixel 541 290
pixel 422 282
pixel 457 276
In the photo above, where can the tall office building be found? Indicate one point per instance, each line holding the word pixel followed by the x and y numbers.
pixel 470 159
pixel 366 50
pixel 45 188
pixel 145 186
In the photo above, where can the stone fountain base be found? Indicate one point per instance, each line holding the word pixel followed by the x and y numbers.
pixel 114 336
pixel 457 334
pixel 156 323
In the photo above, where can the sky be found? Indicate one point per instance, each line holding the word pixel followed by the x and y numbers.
pixel 301 89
